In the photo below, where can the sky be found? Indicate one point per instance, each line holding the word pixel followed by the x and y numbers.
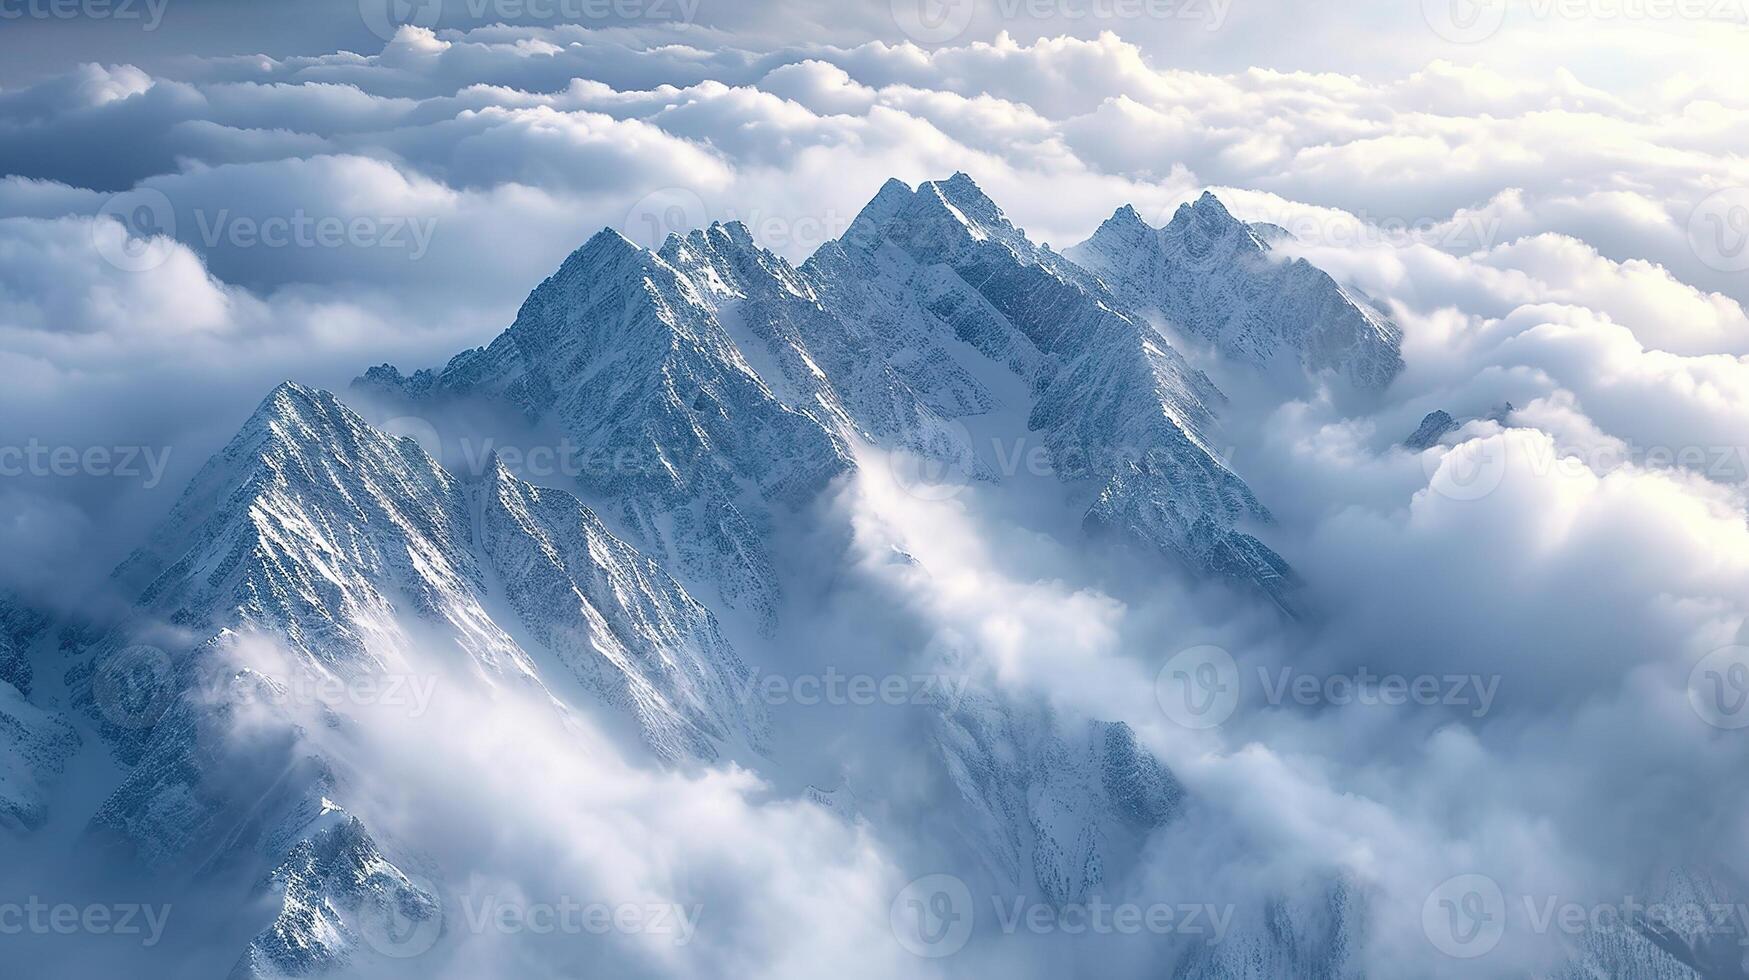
pixel 1552 198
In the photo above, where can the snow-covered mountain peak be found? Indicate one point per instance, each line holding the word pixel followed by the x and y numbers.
pixel 1205 227
pixel 677 427
pixel 1125 220
pixel 968 202
pixel 893 197
pixel 1211 276
pixel 946 221
pixel 314 545
pixel 736 376
pixel 1207 210
pixel 1120 410
pixel 1196 231
pixel 605 246
pixel 729 262
pixel 295 418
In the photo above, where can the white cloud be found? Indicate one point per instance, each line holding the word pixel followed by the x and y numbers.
pixel 1550 266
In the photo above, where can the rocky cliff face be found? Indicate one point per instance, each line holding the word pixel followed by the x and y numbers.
pixel 346 551
pixel 737 378
pixel 1219 280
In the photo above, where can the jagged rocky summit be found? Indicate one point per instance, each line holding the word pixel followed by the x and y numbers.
pixel 741 383
pixel 1222 281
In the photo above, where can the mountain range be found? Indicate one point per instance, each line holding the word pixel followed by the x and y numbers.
pixel 708 396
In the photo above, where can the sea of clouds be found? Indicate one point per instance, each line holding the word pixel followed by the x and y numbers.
pixel 1557 216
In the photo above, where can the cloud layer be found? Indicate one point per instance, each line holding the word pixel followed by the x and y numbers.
pixel 174 241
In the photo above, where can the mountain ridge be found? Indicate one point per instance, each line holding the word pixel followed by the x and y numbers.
pixel 1220 280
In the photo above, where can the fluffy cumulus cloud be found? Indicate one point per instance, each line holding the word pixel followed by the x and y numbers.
pixel 705 872
pixel 1569 241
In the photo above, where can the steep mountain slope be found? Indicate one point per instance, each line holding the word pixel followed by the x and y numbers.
pixel 735 379
pixel 894 334
pixel 34 747
pixel 19 625
pixel 34 743
pixel 1214 277
pixel 1115 406
pixel 1434 425
pixel 314 549
pixel 678 437
pixel 888 381
pixel 1690 926
pixel 1052 810
pixel 1317 937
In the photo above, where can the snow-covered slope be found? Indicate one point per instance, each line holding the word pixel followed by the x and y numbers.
pixel 1115 406
pixel 736 379
pixel 346 554
pixel 682 440
pixel 1434 425
pixel 888 380
pixel 19 625
pixel 1213 277
pixel 1690 926
pixel 1316 937
pixel 1048 810
pixel 930 311
pixel 34 743
pixel 34 747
